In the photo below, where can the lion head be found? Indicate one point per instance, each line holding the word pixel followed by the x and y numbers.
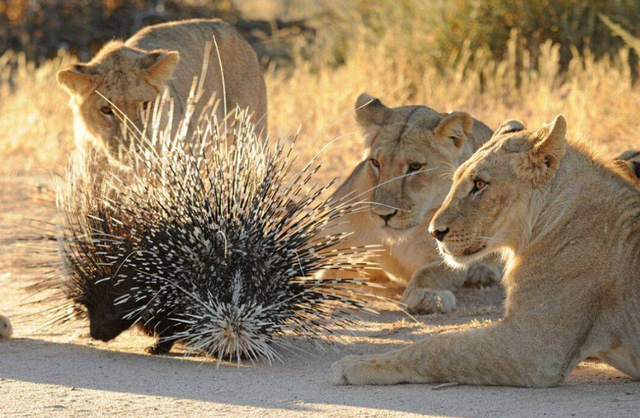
pixel 410 153
pixel 114 86
pixel 492 201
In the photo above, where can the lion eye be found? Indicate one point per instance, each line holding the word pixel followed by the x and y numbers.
pixel 478 185
pixel 106 110
pixel 414 167
pixel 375 162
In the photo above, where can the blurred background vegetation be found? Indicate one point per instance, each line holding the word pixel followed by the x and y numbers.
pixel 40 28
pixel 435 30
pixel 496 59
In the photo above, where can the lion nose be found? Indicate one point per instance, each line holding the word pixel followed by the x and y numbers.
pixel 439 234
pixel 388 216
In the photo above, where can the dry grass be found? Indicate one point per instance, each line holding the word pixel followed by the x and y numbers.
pixel 597 97
pixel 36 125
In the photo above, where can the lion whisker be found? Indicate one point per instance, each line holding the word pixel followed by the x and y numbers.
pixel 364 202
pixel 453 168
pixel 493 239
pixel 381 184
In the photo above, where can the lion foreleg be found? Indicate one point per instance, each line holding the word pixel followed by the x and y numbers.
pixel 507 354
pixel 431 289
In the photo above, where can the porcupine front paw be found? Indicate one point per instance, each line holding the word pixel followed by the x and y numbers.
pixel 159 348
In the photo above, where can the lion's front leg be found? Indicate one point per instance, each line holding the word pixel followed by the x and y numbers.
pixel 483 273
pixel 385 369
pixel 430 290
pixel 503 354
pixel 404 365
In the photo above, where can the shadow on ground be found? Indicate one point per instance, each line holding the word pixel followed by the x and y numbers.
pixel 300 383
pixel 45 377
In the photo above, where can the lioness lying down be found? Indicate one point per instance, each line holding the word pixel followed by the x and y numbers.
pixel 132 74
pixel 568 224
pixel 410 153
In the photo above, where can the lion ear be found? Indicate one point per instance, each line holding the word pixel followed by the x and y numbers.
pixel 635 167
pixel 371 111
pixel 77 79
pixel 628 155
pixel 509 126
pixel 629 167
pixel 629 161
pixel 371 114
pixel 549 142
pixel 160 65
pixel 551 146
pixel 455 127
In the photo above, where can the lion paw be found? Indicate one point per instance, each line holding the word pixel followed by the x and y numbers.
pixel 353 370
pixel 482 274
pixel 421 301
pixel 5 327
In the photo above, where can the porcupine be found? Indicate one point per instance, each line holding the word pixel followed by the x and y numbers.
pixel 213 245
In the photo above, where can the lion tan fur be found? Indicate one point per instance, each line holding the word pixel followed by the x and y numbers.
pixel 567 221
pixel 5 327
pixel 133 73
pixel 410 154
pixel 629 162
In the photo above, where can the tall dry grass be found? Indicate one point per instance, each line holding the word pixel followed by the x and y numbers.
pixel 596 96
pixel 318 95
pixel 36 126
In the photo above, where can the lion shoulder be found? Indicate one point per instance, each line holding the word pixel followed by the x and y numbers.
pixel 233 64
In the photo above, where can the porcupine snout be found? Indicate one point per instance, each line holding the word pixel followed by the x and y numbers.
pixel 99 335
pixel 102 333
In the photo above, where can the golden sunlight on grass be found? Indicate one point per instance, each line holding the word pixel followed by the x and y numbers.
pixel 36 125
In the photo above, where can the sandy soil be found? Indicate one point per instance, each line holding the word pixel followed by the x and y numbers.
pixel 49 373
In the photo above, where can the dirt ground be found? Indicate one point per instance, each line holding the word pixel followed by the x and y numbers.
pixel 59 373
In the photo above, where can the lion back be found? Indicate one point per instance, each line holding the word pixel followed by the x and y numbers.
pixel 233 72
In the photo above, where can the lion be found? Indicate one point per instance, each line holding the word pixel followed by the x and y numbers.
pixel 126 76
pixel 410 152
pixel 629 161
pixel 567 222
pixel 5 327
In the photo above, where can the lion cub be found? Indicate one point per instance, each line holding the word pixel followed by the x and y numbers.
pixel 133 73
pixel 569 225
pixel 410 152
pixel 5 327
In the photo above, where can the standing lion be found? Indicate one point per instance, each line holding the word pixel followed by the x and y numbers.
pixel 126 76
